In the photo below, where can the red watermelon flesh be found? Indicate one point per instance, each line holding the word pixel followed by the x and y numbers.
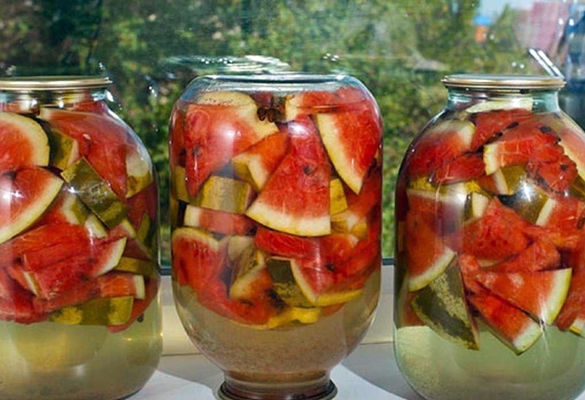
pixel 562 219
pixel 296 197
pixel 470 268
pixel 541 293
pixel 499 234
pixel 24 196
pixel 557 174
pixel 143 202
pixel 262 158
pixel 45 237
pixel 286 245
pixel 110 285
pixel 223 222
pixel 198 258
pixel 103 141
pixel 443 143
pixel 20 309
pixel 353 141
pixel 427 254
pixel 490 124
pixel 517 145
pixel 215 132
pixel 512 326
pixel 463 168
pixel 574 306
pixel 321 101
pixel 23 143
pixel 540 255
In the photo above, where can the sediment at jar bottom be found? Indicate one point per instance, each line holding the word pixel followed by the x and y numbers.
pixel 294 353
pixel 551 369
pixel 54 361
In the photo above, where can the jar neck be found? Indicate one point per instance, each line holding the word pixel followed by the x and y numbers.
pixel 535 100
pixel 31 101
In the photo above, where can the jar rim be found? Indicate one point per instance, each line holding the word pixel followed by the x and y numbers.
pixel 53 82
pixel 280 77
pixel 503 82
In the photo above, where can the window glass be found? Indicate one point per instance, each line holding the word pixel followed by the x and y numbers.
pixel 400 49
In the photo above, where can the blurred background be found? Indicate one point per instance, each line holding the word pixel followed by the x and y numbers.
pixel 399 49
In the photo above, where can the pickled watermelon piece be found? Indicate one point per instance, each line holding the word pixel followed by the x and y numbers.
pixel 513 327
pixel 94 133
pixel 572 315
pixel 249 276
pixel 256 164
pixel 64 149
pixel 441 305
pixel 66 209
pixel 139 306
pixel 561 218
pixel 285 245
pixel 463 168
pixel 24 196
pixel 444 142
pixel 218 127
pixel 318 284
pixel 284 283
pixel 95 192
pixel 139 170
pixel 217 221
pixel 312 102
pixel 517 145
pixel 540 293
pixel 295 199
pixel 198 258
pixel 499 234
pixel 19 308
pixel 353 142
pixel 225 194
pixel 103 311
pixel 426 253
pixel 490 124
pixel 337 198
pixel 23 142
pixel 540 255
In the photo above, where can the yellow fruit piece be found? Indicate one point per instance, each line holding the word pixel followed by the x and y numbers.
pixel 290 316
pixel 179 184
pixel 135 266
pixel 337 202
pixel 225 194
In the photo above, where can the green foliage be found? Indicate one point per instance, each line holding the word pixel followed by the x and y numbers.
pixel 153 48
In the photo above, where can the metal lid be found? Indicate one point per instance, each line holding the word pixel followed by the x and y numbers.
pixel 50 83
pixel 503 82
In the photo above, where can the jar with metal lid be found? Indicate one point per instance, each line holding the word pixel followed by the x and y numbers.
pixel 276 196
pixel 490 255
pixel 79 275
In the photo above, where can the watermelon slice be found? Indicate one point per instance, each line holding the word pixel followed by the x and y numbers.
pixel 198 257
pixel 444 142
pixel 490 124
pixel 463 168
pixel 23 142
pixel 219 126
pixel 540 255
pixel 353 141
pixel 24 196
pixel 442 306
pixel 217 221
pixel 513 327
pixel 94 133
pixel 499 234
pixel 427 255
pixel 256 164
pixel 285 245
pixel 541 293
pixel 296 198
pixel 572 314
pixel 517 145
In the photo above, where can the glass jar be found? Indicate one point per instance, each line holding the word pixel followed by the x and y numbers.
pixel 490 266
pixel 79 276
pixel 275 197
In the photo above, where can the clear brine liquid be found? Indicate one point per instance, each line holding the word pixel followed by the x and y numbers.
pixel 553 369
pixel 54 361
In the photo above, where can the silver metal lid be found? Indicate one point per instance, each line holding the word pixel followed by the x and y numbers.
pixel 503 82
pixel 53 83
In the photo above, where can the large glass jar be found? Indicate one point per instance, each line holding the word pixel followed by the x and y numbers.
pixel 490 256
pixel 275 196
pixel 79 309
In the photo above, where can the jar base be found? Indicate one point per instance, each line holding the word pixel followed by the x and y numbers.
pixel 228 391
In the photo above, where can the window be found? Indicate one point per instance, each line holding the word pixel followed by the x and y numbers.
pixel 399 49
